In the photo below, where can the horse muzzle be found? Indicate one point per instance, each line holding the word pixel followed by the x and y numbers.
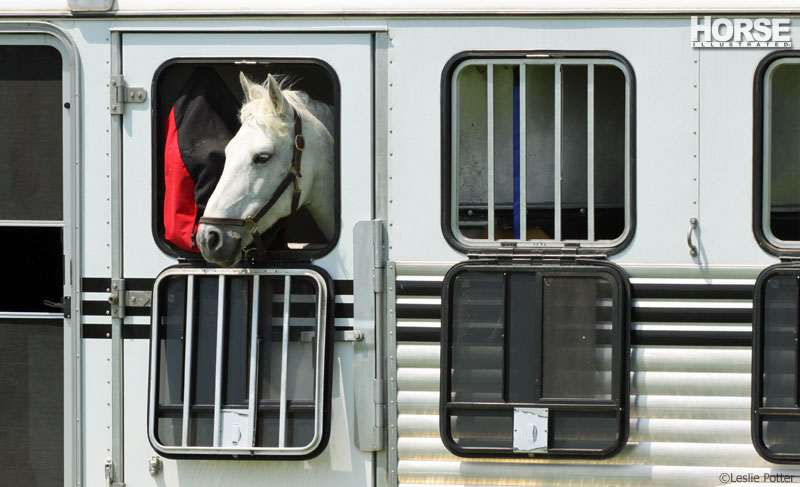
pixel 219 245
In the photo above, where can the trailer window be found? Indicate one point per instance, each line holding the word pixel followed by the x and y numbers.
pixel 196 114
pixel 776 377
pixel 534 360
pixel 539 151
pixel 780 154
pixel 240 363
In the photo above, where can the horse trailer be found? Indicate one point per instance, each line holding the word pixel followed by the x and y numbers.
pixel 288 244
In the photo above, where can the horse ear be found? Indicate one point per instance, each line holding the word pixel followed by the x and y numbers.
pixel 275 95
pixel 251 90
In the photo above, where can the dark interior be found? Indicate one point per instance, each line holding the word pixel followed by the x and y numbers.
pixel 308 76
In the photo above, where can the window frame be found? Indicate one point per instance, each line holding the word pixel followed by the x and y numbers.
pixel 761 152
pixel 157 166
pixel 323 357
pixel 620 337
pixel 449 202
pixel 757 411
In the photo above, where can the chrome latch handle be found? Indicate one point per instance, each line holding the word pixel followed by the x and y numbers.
pixel 692 228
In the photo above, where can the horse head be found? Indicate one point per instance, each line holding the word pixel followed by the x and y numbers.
pixel 263 180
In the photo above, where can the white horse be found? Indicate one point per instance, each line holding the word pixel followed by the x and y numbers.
pixel 258 159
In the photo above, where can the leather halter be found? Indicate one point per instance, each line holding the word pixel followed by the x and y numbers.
pixel 249 224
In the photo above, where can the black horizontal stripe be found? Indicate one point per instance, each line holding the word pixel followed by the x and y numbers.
pixel 638 315
pixel 691 315
pixel 341 287
pixel 95 284
pixel 692 291
pixel 419 311
pixel 32 321
pixel 639 291
pixel 298 310
pixel 104 331
pixel 676 338
pixel 419 288
pixel 704 338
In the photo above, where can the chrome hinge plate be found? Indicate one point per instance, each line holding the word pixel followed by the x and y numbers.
pixel 122 94
pixel 116 298
pixel 138 299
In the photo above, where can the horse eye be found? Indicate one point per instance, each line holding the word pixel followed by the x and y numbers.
pixel 261 158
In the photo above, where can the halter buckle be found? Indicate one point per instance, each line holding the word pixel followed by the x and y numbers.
pixel 249 225
pixel 300 142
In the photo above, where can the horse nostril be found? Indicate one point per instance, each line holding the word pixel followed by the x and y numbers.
pixel 214 239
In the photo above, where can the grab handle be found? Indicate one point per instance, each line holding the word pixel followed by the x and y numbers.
pixel 692 227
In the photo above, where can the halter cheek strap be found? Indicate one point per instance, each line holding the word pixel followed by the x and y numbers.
pixel 249 224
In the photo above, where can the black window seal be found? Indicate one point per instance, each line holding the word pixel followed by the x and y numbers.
pixel 758 152
pixel 288 256
pixel 446 124
pixel 757 389
pixel 621 336
pixel 326 387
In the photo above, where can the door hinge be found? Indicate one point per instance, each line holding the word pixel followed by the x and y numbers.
pixel 116 298
pixel 119 298
pixel 109 474
pixel 122 94
pixel 378 256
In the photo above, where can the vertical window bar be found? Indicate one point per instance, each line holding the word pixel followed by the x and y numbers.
pixel 490 148
pixel 252 397
pixel 557 152
pixel 218 364
pixel 287 292
pixel 590 148
pixel 523 157
pixel 187 359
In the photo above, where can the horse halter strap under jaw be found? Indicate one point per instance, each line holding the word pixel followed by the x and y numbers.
pixel 250 224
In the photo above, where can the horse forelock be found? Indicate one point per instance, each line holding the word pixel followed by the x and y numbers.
pixel 263 110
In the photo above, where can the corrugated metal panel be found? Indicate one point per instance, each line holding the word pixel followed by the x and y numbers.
pixel 690 421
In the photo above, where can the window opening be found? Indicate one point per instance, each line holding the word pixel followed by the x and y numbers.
pixel 540 151
pixel 240 362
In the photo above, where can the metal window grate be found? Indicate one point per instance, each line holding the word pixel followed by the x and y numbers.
pixel 238 362
pixel 540 151
pixel 776 364
pixel 534 360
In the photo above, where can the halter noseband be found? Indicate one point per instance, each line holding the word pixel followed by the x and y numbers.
pixel 249 224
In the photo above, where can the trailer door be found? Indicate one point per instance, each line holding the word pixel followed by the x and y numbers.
pixel 157 68
pixel 37 337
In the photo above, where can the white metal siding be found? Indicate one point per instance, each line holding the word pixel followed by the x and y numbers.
pixel 689 424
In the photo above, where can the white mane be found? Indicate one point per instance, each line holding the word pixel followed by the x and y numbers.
pixel 261 109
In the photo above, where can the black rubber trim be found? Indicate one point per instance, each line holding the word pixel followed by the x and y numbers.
pixel 618 337
pixel 757 412
pixel 758 154
pixel 445 116
pixel 156 144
